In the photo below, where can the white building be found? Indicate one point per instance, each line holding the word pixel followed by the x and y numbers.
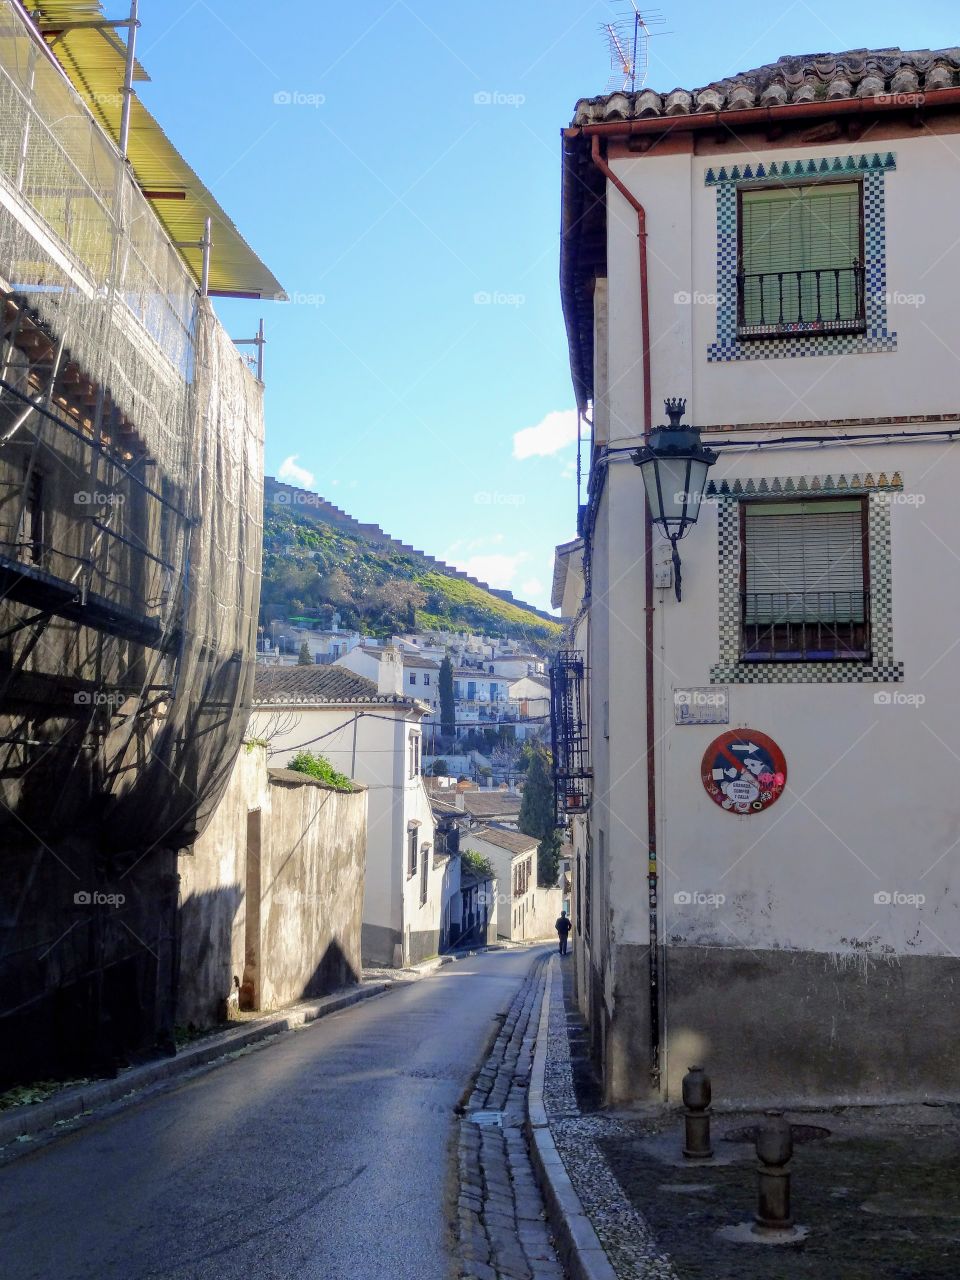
pixel 420 673
pixel 513 857
pixel 373 734
pixel 281 643
pixel 793 925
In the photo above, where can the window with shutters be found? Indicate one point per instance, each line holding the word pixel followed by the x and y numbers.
pixel 413 845
pixel 424 874
pixel 800 260
pixel 805 592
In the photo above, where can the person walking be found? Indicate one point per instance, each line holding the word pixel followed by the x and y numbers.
pixel 563 927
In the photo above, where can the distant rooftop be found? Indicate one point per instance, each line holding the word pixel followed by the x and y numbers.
pixel 491 804
pixel 512 841
pixel 315 684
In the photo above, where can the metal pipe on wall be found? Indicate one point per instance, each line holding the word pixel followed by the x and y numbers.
pixel 650 714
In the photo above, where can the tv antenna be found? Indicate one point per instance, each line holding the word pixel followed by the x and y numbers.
pixel 629 38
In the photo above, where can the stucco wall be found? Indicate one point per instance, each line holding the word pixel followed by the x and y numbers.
pixel 545 907
pixel 308 864
pixel 788 979
pixel 371 744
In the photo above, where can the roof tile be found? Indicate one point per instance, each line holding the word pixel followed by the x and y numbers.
pixel 332 684
pixel 860 73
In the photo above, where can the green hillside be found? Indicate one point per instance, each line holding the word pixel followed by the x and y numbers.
pixel 311 568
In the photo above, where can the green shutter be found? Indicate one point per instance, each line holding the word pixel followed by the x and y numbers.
pixel 803 562
pixel 790 229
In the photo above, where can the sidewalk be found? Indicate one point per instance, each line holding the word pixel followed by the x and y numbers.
pixel 876 1186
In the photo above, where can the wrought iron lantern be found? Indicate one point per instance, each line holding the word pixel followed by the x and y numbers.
pixel 674 465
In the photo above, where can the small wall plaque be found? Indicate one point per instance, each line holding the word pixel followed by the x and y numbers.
pixel 702 706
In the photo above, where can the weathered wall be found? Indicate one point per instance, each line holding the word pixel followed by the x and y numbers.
pixel 545 907
pixel 312 888
pixel 809 948
pixel 274 901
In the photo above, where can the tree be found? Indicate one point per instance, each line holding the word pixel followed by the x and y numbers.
pixel 305 659
pixel 448 712
pixel 440 768
pixel 538 816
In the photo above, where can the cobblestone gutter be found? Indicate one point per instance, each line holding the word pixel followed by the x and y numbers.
pixel 502 1225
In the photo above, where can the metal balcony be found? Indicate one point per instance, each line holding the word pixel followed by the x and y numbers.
pixel 812 300
pixel 780 626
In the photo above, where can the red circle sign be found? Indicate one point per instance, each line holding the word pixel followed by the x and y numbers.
pixel 744 771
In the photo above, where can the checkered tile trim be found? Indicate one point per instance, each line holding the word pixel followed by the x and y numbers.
pixel 882 669
pixel 877 337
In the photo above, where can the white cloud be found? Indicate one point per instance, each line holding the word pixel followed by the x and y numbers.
pixel 532 589
pixel 288 470
pixel 554 432
pixel 497 570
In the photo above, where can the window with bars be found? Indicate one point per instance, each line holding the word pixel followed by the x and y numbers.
pixel 414 755
pixel 800 257
pixel 804 580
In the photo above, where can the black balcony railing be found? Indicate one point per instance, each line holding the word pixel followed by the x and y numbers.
pixel 805 625
pixel 816 299
pixel 569 733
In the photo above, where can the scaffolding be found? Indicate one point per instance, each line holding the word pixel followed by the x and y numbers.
pixel 131 480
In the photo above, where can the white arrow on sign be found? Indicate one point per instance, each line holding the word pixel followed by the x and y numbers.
pixel 749 747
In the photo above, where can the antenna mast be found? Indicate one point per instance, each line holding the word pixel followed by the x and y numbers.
pixel 629 39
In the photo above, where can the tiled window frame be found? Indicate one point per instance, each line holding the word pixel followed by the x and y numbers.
pixel 882 667
pixel 871 169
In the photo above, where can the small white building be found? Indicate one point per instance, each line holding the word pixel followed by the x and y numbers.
pixel 372 733
pixel 420 673
pixel 524 910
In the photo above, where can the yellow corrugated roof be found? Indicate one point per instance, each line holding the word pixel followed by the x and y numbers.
pixel 93 59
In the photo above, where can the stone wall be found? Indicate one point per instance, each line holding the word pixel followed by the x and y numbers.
pixel 271 895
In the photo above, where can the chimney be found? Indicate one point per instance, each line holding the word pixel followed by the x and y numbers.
pixel 390 672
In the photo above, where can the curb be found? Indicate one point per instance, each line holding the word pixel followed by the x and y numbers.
pixel 24 1122
pixel 577 1242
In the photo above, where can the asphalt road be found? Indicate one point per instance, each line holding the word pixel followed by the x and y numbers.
pixel 322 1155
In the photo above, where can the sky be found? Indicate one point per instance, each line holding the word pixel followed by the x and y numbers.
pixel 396 164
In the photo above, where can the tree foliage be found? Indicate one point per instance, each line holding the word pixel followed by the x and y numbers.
pixel 448 712
pixel 538 816
pixel 319 767
pixel 306 658
pixel 476 864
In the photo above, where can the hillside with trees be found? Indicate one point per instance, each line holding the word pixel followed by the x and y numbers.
pixel 313 568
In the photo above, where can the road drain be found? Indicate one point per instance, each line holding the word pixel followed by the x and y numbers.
pixel 487 1119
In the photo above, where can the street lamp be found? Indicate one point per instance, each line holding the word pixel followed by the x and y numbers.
pixel 674 464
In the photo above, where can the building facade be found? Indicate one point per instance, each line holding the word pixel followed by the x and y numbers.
pixel 373 734
pixel 759 775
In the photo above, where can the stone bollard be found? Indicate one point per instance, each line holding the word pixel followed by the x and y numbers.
pixel 696 1115
pixel 774 1149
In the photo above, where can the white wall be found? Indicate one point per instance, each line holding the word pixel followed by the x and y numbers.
pixel 923 258
pixel 369 744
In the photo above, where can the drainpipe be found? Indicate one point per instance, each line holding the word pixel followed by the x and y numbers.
pixel 652 872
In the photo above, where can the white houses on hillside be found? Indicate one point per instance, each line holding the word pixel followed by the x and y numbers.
pixel 420 673
pixel 763 771
pixel 373 734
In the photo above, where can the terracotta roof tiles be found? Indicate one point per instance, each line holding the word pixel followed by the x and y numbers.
pixel 858 73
